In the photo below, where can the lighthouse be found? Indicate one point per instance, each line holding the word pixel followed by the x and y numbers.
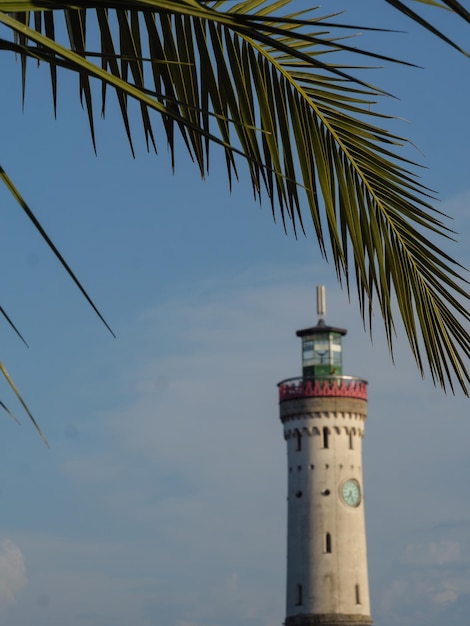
pixel 323 413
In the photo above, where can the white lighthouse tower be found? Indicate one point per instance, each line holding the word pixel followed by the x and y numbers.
pixel 323 414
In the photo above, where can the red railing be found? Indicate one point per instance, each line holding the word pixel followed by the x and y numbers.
pixel 328 386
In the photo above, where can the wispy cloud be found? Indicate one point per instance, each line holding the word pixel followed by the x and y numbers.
pixel 428 582
pixel 195 460
pixel 12 572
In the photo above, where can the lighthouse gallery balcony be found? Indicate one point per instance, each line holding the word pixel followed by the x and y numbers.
pixel 322 387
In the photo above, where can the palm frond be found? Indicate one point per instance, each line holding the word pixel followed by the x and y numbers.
pixel 452 5
pixel 269 87
pixel 20 200
pixel 23 403
pixel 7 410
pixel 12 325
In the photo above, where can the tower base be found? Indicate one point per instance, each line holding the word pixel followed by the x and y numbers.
pixel 328 619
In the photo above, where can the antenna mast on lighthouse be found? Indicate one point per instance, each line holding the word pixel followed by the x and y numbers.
pixel 321 301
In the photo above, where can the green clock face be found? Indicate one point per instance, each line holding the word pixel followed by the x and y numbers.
pixel 351 492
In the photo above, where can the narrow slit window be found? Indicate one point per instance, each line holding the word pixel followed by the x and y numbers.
pixel 326 432
pixel 358 595
pixel 328 543
pixel 298 437
pixel 299 595
pixel 351 441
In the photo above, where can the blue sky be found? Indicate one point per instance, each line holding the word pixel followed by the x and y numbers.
pixel 162 497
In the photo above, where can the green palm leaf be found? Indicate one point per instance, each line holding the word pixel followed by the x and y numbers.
pixel 23 403
pixel 270 86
